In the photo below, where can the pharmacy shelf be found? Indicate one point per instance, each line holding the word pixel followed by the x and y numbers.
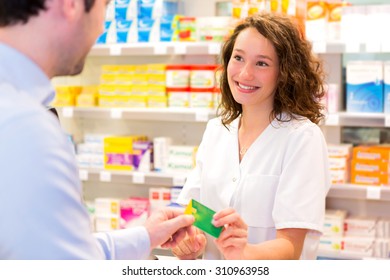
pixel 214 48
pixel 349 191
pixel 157 48
pixel 153 114
pixel 351 47
pixel 358 119
pixel 204 115
pixel 126 177
pixel 362 192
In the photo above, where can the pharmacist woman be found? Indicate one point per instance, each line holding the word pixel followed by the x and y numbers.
pixel 262 164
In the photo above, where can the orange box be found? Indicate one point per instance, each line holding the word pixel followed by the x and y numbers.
pixel 372 153
pixel 369 178
pixel 370 166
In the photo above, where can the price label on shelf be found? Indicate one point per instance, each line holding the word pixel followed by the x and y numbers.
pixel 138 178
pixel 373 47
pixel 319 47
pixel 386 47
pixel 160 49
pixel 202 116
pixel 83 175
pixel 67 112
pixel 373 193
pixel 179 181
pixel 214 48
pixel 116 113
pixel 351 47
pixel 115 50
pixel 105 176
pixel 180 48
pixel 332 120
pixel 387 120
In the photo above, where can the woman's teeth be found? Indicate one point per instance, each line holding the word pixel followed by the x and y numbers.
pixel 246 87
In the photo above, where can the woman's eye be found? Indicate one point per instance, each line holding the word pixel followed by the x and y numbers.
pixel 238 58
pixel 261 63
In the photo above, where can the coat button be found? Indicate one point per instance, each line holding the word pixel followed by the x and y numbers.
pixel 234 179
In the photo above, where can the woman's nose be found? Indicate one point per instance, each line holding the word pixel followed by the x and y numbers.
pixel 247 72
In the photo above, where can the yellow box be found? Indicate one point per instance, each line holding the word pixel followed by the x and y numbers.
pixel 157 90
pixel 124 90
pixel 108 79
pixel 125 79
pixel 110 69
pixel 118 152
pixel 66 95
pixel 156 79
pixel 157 101
pixel 141 90
pixel 126 69
pixel 141 69
pixel 88 97
pixel 106 101
pixel 156 68
pixel 130 101
pixel 87 100
pixel 107 90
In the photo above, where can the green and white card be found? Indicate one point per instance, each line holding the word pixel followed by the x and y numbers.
pixel 203 217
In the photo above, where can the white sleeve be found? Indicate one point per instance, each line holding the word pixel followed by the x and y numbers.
pixel 304 182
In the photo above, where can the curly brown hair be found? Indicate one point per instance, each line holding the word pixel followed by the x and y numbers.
pixel 301 79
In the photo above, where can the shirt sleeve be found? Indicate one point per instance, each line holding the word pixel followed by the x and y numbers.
pixel 41 207
pixel 304 182
pixel 125 244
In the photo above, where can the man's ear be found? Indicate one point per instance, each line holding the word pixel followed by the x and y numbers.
pixel 71 9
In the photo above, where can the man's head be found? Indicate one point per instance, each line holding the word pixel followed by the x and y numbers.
pixel 56 34
pixel 20 11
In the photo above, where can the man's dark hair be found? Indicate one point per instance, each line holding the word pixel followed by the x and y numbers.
pixel 20 11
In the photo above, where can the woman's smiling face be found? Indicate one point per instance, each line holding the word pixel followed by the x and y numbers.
pixel 253 70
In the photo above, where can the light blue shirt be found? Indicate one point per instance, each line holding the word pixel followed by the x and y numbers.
pixel 42 215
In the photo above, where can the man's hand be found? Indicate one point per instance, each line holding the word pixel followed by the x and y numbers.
pixel 191 247
pixel 168 226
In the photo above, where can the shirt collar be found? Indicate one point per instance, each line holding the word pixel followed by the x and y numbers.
pixel 25 75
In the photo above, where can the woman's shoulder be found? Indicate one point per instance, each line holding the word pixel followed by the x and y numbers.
pixel 217 123
pixel 297 124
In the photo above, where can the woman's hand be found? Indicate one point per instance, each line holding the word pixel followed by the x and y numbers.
pixel 234 237
pixel 191 247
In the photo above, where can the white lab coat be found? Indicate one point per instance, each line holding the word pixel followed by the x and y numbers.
pixel 281 182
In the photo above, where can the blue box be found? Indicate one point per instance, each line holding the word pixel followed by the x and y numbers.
pixel 365 87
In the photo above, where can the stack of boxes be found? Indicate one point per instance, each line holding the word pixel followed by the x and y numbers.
pixel 113 213
pixel 131 21
pixel 119 152
pixel 361 236
pixel 364 86
pixel 368 86
pixel 132 86
pixel 181 159
pixel 339 162
pixel 107 214
pixel 192 86
pixel 90 153
pixel 370 165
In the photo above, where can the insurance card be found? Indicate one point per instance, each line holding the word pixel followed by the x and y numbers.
pixel 203 217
